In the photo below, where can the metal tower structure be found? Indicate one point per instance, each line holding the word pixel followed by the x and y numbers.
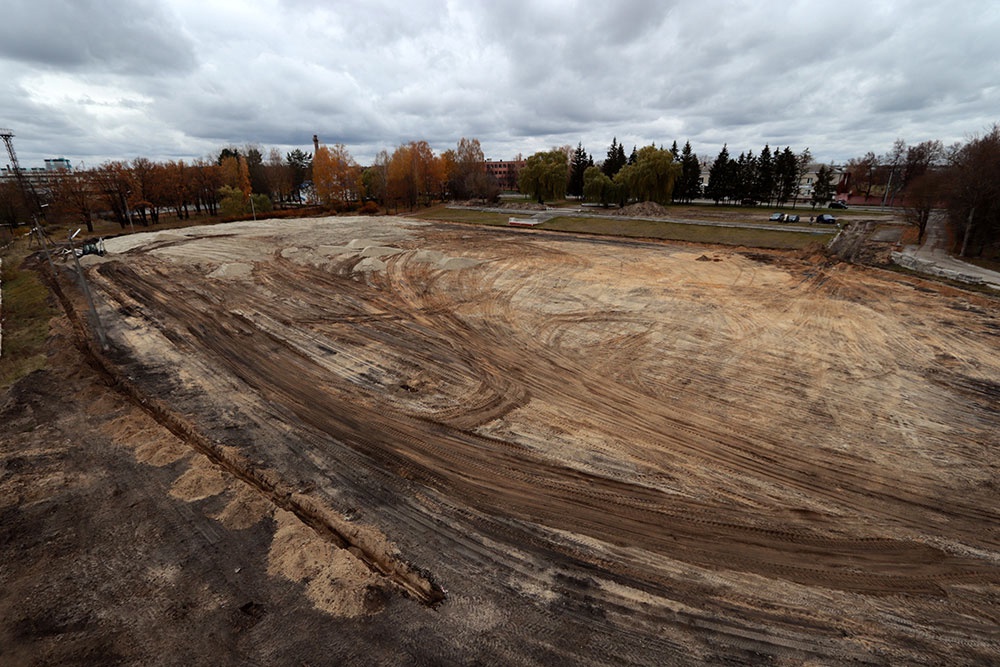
pixel 27 189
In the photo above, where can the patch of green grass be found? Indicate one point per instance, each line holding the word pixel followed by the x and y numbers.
pixel 463 215
pixel 668 231
pixel 26 311
pixel 629 228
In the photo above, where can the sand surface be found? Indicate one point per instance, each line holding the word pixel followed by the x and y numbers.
pixel 529 448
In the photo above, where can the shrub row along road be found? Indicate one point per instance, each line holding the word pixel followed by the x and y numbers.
pixel 533 448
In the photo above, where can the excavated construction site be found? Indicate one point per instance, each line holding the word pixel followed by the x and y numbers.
pixel 389 441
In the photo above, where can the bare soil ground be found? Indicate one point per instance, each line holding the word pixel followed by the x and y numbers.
pixel 384 441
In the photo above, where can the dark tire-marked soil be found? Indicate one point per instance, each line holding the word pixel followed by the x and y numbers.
pixel 505 447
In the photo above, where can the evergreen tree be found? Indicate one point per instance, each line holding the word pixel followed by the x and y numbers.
pixel 615 159
pixel 732 180
pixel 746 177
pixel 300 164
pixel 719 177
pixel 633 156
pixel 674 151
pixel 255 166
pixel 786 175
pixel 578 165
pixel 763 190
pixel 228 151
pixel 690 182
pixel 823 188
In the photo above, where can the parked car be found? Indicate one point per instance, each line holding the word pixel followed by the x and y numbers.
pixel 777 217
pixel 838 204
pixel 826 218
pixel 791 218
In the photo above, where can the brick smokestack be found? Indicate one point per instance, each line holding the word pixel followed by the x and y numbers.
pixel 315 144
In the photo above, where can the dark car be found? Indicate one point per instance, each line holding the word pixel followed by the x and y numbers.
pixel 777 217
pixel 791 218
pixel 838 204
pixel 826 218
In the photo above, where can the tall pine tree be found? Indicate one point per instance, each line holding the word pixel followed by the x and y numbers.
pixel 615 159
pixel 719 177
pixel 763 190
pixel 578 165
pixel 689 185
pixel 786 175
pixel 746 177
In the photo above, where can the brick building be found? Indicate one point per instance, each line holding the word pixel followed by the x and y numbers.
pixel 505 172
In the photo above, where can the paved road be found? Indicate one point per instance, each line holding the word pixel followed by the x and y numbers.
pixel 933 257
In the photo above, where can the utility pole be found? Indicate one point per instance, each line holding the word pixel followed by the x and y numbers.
pixel 35 207
pixel 27 189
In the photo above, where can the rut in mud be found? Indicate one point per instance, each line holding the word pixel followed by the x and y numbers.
pixel 770 451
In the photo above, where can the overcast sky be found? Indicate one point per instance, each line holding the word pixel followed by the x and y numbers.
pixel 94 80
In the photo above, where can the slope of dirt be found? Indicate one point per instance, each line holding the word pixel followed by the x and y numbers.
pixel 646 209
pixel 461 446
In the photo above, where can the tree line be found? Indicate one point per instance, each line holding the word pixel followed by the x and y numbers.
pixel 961 180
pixel 649 173
pixel 765 178
pixel 240 181
pixel 140 190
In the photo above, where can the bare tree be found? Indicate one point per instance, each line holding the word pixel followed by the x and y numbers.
pixel 863 172
pixel 974 202
pixel 925 193
pixel 892 162
pixel 112 184
pixel 74 194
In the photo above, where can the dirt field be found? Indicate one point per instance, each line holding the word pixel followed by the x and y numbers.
pixel 384 441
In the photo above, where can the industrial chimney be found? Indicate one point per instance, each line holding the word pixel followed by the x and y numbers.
pixel 315 144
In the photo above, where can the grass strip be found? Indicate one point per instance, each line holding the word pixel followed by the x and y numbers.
pixel 649 229
pixel 670 231
pixel 27 309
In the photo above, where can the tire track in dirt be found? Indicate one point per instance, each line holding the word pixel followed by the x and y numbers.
pixel 313 514
pixel 663 475
pixel 493 475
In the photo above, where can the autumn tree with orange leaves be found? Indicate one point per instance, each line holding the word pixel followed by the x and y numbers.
pixel 414 174
pixel 235 173
pixel 336 176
